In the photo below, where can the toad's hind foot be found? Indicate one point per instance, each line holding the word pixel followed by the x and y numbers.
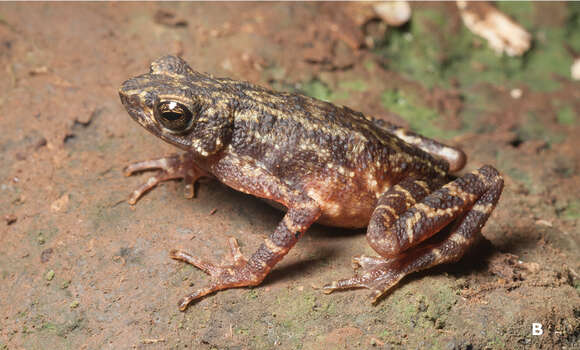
pixel 224 276
pixel 170 168
pixel 381 274
pixel 377 274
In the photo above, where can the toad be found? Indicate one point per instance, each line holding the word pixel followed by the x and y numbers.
pixel 322 162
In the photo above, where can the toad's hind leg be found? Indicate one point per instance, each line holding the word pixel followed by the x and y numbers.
pixel 177 166
pixel 454 156
pixel 467 202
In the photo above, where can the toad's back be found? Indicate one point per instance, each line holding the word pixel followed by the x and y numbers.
pixel 334 154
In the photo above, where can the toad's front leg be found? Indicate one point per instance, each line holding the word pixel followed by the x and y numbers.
pixel 407 215
pixel 177 166
pixel 245 176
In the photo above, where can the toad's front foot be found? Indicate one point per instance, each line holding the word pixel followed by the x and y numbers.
pixel 375 273
pixel 177 166
pixel 236 274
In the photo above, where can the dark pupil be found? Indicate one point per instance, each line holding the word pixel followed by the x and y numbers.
pixel 171 116
pixel 174 116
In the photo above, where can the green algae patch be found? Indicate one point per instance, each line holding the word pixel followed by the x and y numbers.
pixel 535 129
pixel 506 160
pixel 415 51
pixel 353 85
pixel 421 119
pixel 62 329
pixel 566 116
pixel 299 305
pixel 318 89
pixel 477 104
pixel 252 294
pixel 294 314
pixel 439 302
pixel 427 310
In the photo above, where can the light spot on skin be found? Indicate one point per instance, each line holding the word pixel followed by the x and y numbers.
pixel 455 191
pixel 332 208
pixel 423 185
pixel 437 253
pixel 329 208
pixel 355 211
pixel 408 196
pixel 359 147
pixel 481 177
pixel 410 224
pixel 272 246
pixel 459 239
pixel 483 208
pixel 372 183
pixel 435 212
pixel 200 150
pixel 422 207
pixel 292 227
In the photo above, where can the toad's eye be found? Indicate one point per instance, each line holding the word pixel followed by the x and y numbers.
pixel 174 116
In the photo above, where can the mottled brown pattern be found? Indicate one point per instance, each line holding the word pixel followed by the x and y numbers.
pixel 322 162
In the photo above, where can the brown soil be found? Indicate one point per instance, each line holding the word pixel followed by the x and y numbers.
pixel 80 268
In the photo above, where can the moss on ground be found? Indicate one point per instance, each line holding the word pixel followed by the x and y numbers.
pixel 453 54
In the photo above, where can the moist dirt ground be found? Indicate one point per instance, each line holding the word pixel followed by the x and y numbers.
pixel 82 269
